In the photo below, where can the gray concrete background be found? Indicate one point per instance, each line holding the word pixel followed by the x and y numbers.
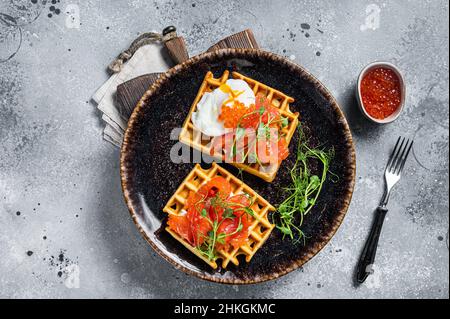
pixel 56 170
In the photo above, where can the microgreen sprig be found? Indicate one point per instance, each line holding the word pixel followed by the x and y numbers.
pixel 263 131
pixel 208 247
pixel 304 190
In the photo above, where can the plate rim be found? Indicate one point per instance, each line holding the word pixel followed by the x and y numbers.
pixel 351 170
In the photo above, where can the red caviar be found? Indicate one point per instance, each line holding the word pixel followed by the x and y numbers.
pixel 231 115
pixel 381 92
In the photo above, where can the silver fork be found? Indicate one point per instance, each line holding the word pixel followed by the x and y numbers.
pixel 392 175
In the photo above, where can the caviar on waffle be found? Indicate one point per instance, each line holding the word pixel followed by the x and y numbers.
pixel 242 122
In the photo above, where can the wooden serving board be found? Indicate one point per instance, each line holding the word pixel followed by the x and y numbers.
pixel 129 93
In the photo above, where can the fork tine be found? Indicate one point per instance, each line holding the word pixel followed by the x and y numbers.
pixel 395 155
pixel 391 158
pixel 396 168
pixel 406 157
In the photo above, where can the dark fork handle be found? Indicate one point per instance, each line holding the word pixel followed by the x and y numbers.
pixel 370 249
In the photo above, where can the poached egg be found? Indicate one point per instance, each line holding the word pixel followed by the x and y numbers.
pixel 206 117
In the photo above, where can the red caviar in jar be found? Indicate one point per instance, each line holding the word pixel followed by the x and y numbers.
pixel 381 92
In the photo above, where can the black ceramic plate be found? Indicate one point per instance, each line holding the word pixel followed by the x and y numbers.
pixel 149 178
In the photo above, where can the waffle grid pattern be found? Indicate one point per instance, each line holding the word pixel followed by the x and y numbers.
pixel 190 136
pixel 259 230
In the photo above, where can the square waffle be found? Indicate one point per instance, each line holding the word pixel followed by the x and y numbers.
pixel 190 136
pixel 259 230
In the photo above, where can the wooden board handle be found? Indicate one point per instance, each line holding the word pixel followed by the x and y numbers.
pixel 175 45
pixel 129 93
pixel 177 49
pixel 244 39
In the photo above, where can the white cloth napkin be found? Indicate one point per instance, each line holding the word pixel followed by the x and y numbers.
pixel 147 59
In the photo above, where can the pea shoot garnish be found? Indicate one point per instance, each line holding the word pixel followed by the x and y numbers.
pixel 304 190
pixel 223 211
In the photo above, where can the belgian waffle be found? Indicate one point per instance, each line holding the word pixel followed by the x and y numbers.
pixel 190 136
pixel 259 230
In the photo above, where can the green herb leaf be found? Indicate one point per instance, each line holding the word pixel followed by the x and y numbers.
pixel 228 213
pixel 220 238
pixel 285 230
pixel 304 203
pixel 314 181
pixel 249 211
pixel 282 209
